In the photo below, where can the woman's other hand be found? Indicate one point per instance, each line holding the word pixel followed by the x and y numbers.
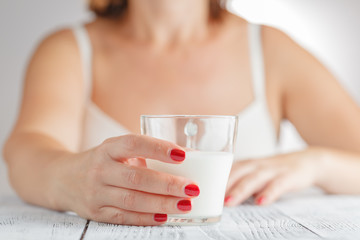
pixel 268 178
pixel 112 184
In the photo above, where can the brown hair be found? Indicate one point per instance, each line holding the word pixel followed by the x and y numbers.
pixel 117 8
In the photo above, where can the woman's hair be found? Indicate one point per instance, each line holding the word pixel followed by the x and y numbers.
pixel 117 8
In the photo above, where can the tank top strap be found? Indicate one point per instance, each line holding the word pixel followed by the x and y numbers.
pixel 85 49
pixel 257 61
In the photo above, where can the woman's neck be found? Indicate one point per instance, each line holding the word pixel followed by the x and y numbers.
pixel 168 22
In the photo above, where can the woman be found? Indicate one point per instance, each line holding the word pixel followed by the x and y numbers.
pixel 86 88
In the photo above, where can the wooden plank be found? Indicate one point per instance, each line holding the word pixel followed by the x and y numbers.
pixel 243 222
pixel 331 217
pixel 298 217
pixel 22 221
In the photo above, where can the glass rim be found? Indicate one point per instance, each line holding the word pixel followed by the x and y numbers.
pixel 189 116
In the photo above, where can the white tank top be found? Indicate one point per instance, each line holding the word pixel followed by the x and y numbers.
pixel 256 135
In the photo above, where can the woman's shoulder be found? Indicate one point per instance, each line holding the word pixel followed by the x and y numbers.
pixel 282 52
pixel 56 59
pixel 57 50
pixel 57 41
pixel 270 34
pixel 233 21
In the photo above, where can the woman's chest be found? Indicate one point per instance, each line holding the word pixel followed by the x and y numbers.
pixel 206 82
pixel 134 92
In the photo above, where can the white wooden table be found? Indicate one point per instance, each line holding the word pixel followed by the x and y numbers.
pixel 300 216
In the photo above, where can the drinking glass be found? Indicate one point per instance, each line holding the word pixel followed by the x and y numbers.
pixel 209 143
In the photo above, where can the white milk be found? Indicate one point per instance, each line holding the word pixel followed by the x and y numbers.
pixel 210 170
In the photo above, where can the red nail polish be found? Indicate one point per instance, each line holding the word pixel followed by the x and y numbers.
pixel 177 155
pixel 260 201
pixel 192 190
pixel 228 199
pixel 184 205
pixel 160 217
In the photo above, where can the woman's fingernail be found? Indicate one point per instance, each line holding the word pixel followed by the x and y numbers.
pixel 260 200
pixel 228 199
pixel 160 217
pixel 177 155
pixel 184 205
pixel 192 190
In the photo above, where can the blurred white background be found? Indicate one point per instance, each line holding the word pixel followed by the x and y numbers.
pixel 330 29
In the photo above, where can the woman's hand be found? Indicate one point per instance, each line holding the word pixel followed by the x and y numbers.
pixel 267 179
pixel 112 184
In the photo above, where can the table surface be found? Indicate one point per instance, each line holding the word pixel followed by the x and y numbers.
pixel 301 216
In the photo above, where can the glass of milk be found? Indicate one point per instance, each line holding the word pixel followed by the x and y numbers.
pixel 209 142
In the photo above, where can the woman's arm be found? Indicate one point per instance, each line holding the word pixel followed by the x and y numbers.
pixel 313 100
pixel 49 121
pixel 324 115
pixel 339 172
pixel 266 179
pixel 107 183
